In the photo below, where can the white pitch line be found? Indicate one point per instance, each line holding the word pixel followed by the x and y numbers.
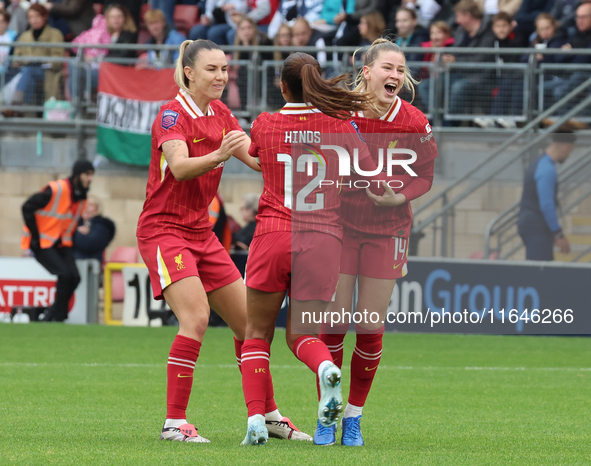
pixel 291 367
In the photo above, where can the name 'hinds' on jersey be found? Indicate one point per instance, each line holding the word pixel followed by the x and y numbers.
pixel 287 145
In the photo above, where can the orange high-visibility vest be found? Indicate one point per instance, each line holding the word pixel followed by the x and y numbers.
pixel 214 212
pixel 58 219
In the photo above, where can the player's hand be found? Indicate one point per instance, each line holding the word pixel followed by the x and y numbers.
pixel 563 244
pixel 388 199
pixel 231 142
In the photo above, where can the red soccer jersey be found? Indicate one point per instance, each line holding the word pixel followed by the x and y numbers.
pixel 286 144
pixel 403 126
pixel 182 206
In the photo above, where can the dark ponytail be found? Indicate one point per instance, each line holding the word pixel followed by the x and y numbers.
pixel 301 74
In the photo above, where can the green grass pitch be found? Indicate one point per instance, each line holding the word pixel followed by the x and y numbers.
pixel 96 395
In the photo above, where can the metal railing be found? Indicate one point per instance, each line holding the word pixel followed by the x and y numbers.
pixel 494 164
pixel 574 188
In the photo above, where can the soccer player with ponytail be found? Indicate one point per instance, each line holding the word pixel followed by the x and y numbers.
pixel 192 137
pixel 297 242
pixel 376 229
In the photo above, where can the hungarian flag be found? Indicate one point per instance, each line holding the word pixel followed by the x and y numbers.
pixel 128 102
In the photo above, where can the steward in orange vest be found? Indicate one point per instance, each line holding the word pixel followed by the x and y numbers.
pixel 51 217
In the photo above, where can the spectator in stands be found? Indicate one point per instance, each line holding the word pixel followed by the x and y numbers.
pixel 492 7
pixel 440 34
pixel 78 14
pixel 260 11
pixel 122 28
pixel 581 39
pixel 133 7
pixel 349 35
pixel 162 33
pixel 425 10
pixel 549 35
pixel 310 10
pixel 117 27
pixel 409 33
pixel 166 7
pixel 528 12
pixel 51 217
pixel 247 34
pixel 18 17
pixel 333 14
pixel 538 223
pixel 94 232
pixel 508 99
pixel 304 35
pixel 371 27
pixel 6 35
pixel 217 24
pixel 283 38
pixel 564 12
pixel 474 31
pixel 243 237
pixel 97 34
pixel 34 73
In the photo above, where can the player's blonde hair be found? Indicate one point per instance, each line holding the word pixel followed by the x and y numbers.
pixel 188 53
pixel 378 47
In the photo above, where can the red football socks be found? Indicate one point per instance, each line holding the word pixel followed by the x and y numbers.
pixel 364 363
pixel 334 341
pixel 181 363
pixel 311 351
pixel 270 404
pixel 255 375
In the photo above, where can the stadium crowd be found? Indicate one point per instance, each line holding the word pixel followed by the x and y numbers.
pixel 539 24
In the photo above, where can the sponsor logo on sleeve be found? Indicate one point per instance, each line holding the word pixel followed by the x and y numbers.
pixel 169 118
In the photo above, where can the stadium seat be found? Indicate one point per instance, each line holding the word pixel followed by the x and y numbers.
pixel 185 17
pixel 128 255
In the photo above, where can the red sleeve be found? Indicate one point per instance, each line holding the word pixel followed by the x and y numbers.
pixel 426 149
pixel 232 121
pixel 366 163
pixel 169 125
pixel 255 132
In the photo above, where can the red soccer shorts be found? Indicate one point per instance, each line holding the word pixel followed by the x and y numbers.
pixel 306 262
pixel 382 257
pixel 170 258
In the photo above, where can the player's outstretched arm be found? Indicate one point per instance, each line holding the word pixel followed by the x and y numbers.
pixel 183 167
pixel 242 154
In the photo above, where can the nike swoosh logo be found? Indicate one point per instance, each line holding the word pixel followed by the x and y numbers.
pixel 372 369
pixel 396 266
pixel 198 140
pixel 183 376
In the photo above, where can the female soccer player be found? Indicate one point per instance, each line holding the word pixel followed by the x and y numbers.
pixel 376 229
pixel 192 137
pixel 297 241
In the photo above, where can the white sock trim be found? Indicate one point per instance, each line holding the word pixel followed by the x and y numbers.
pixel 353 411
pixel 251 419
pixel 274 415
pixel 322 365
pixel 174 422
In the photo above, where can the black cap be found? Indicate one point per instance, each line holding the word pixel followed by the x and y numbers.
pixel 82 166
